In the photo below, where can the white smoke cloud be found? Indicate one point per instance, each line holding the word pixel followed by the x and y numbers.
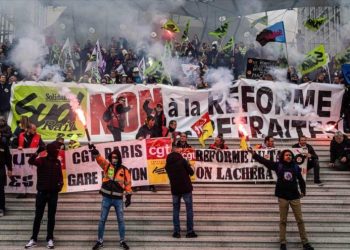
pixel 51 73
pixel 278 74
pixel 28 54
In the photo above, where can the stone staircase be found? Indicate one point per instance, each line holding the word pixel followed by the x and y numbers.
pixel 227 216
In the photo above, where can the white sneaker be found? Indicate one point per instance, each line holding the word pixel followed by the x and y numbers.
pixel 30 244
pixel 1 213
pixel 50 244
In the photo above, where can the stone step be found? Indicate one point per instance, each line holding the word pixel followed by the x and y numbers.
pixel 226 200
pixel 167 218
pixel 137 242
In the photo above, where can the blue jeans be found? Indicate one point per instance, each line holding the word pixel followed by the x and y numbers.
pixel 118 206
pixel 189 211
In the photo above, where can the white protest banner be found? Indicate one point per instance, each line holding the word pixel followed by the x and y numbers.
pixel 83 172
pixel 280 109
pixel 236 166
pixel 23 179
pixel 24 175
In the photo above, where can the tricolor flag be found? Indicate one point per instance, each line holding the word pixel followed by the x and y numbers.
pixel 315 23
pixel 203 128
pixel 273 33
pixel 171 26
pixel 221 31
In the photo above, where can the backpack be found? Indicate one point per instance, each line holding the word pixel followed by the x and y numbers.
pixel 107 115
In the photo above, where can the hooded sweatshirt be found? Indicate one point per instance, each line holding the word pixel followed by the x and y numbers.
pixel 49 172
pixel 179 172
pixel 288 177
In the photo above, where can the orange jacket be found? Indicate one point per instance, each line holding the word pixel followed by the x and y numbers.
pixel 115 181
pixel 33 144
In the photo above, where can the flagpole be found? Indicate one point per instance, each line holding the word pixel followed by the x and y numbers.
pixel 287 52
pixel 329 74
pixel 285 35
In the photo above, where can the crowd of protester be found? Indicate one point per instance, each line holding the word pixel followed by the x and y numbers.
pixel 122 66
pixel 122 60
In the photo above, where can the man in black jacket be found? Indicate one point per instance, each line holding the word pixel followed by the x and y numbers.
pixel 49 184
pixel 147 130
pixel 340 152
pixel 312 158
pixel 5 161
pixel 179 172
pixel 5 131
pixel 288 177
pixel 5 96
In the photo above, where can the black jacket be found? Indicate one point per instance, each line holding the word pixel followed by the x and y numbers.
pixel 179 172
pixel 288 177
pixel 339 150
pixel 5 96
pixel 6 134
pixel 5 161
pixel 49 173
pixel 146 132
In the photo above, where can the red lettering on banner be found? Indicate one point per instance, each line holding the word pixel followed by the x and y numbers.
pixel 146 94
pixel 97 108
pixel 132 123
pixel 132 117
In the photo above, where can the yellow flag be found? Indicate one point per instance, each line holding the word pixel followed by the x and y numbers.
pixel 171 26
pixel 203 128
pixel 315 59
pixel 208 131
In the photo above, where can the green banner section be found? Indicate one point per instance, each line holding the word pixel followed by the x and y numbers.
pixel 342 57
pixel 314 24
pixel 315 59
pixel 51 111
pixel 221 31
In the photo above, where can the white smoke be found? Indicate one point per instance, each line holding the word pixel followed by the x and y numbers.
pixel 51 73
pixel 220 79
pixel 278 74
pixel 73 100
pixel 28 54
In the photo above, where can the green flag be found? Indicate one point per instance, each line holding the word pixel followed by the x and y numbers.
pixel 229 45
pixel 314 59
pixel 154 68
pixel 168 50
pixel 263 20
pixel 315 23
pixel 185 33
pixel 220 32
pixel 171 26
pixel 342 57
